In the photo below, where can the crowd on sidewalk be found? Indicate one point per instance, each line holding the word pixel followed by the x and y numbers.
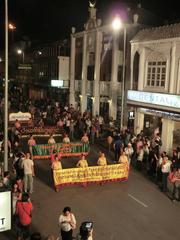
pixel 144 153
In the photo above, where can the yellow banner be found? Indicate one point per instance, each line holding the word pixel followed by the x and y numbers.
pixel 91 174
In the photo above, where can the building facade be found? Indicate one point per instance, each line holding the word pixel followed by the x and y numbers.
pixel 155 83
pixel 96 66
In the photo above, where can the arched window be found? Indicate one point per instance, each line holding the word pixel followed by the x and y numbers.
pixel 136 71
pixel 156 70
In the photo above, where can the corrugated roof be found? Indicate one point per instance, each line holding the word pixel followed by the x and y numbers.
pixel 156 33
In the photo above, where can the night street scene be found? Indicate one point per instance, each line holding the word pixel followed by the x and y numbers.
pixel 89 120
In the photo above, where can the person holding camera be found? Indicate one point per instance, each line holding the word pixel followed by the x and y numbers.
pixel 67 223
pixel 85 231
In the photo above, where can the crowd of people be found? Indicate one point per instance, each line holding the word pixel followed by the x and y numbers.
pixel 145 155
pixel 72 125
pixel 140 151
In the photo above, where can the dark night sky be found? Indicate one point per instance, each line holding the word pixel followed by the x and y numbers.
pixel 45 20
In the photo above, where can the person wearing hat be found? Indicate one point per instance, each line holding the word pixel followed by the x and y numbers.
pixel 82 163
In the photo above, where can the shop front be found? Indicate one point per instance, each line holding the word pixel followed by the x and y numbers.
pixel 157 113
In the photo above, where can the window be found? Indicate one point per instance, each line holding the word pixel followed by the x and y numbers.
pixel 156 74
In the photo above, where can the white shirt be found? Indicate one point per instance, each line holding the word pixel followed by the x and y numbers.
pixel 101 120
pixel 129 151
pixel 66 140
pixel 66 226
pixel 140 155
pixel 27 164
pixel 166 168
pixel 51 141
pixel 67 123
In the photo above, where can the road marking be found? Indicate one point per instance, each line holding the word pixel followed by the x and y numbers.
pixel 137 200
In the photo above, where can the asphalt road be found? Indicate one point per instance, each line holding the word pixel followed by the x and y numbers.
pixel 135 209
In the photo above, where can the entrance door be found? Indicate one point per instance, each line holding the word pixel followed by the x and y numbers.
pixel 89 104
pixel 104 110
pixel 151 123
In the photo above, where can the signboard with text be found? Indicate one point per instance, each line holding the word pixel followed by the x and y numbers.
pixel 160 99
pixel 20 116
pixel 5 211
pixel 115 172
pixel 24 67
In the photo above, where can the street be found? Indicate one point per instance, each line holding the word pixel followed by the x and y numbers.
pixel 128 210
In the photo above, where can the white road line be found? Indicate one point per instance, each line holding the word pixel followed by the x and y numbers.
pixel 137 200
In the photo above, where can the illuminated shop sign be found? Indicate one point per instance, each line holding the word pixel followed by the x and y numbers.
pixel 5 211
pixel 173 116
pixel 56 83
pixel 162 99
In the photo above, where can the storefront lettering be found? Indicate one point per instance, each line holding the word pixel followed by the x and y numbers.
pixel 154 98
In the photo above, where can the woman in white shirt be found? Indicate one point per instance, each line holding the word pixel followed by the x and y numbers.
pixel 67 223
pixel 66 139
pixel 51 140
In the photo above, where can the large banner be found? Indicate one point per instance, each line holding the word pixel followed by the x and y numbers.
pixel 115 172
pixel 40 130
pixel 71 149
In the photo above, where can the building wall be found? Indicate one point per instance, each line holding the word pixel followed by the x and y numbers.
pixel 166 50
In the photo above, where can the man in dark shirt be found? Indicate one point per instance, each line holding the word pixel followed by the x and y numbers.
pixel 117 148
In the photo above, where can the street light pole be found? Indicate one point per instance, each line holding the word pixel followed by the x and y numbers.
pixel 6 91
pixel 117 25
pixel 123 78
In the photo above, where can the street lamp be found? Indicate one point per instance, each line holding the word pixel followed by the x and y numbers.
pixel 12 27
pixel 117 25
pixel 21 52
pixel 6 91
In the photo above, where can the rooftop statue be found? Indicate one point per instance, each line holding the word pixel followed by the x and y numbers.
pixel 92 4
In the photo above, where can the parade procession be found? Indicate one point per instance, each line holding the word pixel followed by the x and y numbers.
pixel 89 120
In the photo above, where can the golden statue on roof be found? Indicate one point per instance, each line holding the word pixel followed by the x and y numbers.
pixel 92 4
